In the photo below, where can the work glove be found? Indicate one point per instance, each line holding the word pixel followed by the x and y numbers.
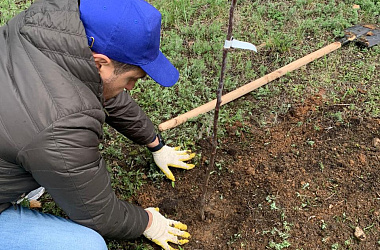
pixel 171 157
pixel 163 230
pixel 33 195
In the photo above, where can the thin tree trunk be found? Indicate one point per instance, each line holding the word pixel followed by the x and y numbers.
pixel 216 113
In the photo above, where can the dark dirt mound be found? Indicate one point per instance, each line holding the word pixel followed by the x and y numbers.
pixel 304 183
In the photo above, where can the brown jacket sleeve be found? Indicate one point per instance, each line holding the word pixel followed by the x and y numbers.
pixel 126 116
pixel 64 158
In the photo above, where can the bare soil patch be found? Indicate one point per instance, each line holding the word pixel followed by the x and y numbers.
pixel 307 181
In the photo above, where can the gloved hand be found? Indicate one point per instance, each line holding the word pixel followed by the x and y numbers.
pixel 163 230
pixel 171 157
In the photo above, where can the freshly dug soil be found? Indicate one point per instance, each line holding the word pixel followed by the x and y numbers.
pixel 304 183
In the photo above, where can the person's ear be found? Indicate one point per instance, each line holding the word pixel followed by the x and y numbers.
pixel 102 61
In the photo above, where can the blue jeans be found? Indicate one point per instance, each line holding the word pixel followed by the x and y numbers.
pixel 29 229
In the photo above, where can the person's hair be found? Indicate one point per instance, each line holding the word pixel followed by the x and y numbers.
pixel 121 68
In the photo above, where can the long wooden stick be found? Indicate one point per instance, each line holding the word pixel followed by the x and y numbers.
pixel 250 86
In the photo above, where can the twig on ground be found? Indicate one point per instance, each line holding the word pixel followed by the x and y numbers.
pixel 330 196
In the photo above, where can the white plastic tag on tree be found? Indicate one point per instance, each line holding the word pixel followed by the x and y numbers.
pixel 236 44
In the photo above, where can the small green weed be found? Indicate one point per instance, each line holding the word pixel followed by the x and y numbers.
pixel 234 238
pixel 283 235
pixel 125 182
pixel 323 225
pixel 49 206
pixel 279 246
pixel 335 246
pixel 271 199
pixel 136 245
pixel 9 8
pixel 280 235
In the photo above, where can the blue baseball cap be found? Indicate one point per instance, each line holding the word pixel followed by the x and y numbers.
pixel 128 31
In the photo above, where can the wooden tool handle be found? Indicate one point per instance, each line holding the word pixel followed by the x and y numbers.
pixel 250 86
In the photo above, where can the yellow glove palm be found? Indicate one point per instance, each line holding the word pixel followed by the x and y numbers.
pixel 171 157
pixel 164 230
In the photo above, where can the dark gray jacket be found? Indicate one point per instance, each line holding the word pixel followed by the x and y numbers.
pixel 51 117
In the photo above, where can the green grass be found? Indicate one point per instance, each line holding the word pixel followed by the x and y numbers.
pixel 9 8
pixel 279 235
pixel 290 29
pixel 193 36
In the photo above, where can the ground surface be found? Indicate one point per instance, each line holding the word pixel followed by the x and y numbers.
pixel 305 183
pixel 298 160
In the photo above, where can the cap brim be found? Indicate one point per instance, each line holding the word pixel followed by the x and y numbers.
pixel 162 71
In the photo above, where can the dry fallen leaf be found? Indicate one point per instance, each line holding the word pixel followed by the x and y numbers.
pixel 370 26
pixel 34 204
pixel 376 142
pixel 359 234
pixel 355 7
pixel 369 33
